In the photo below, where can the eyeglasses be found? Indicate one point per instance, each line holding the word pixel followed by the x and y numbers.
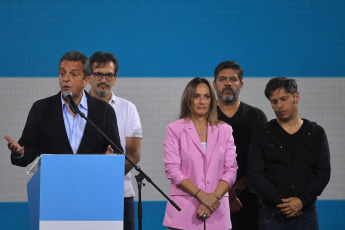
pixel 99 76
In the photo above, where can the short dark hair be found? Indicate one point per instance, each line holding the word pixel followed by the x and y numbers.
pixel 101 58
pixel 76 56
pixel 228 65
pixel 288 84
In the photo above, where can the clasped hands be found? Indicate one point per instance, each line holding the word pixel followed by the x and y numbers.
pixel 291 207
pixel 209 203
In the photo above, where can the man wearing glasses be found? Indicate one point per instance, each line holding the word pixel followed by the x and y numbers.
pixel 104 68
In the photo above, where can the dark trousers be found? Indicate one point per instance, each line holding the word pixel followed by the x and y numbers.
pixel 128 214
pixel 247 217
pixel 272 218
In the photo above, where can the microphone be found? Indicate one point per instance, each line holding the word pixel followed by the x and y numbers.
pixel 68 96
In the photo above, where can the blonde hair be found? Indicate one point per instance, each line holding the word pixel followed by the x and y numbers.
pixel 186 109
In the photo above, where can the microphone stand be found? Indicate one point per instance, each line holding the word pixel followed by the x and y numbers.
pixel 140 177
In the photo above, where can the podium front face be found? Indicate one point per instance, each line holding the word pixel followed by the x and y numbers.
pixel 77 192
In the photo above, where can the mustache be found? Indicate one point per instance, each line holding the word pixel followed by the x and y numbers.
pixel 103 84
pixel 228 88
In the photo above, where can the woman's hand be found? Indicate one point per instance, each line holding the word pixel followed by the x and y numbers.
pixel 203 212
pixel 210 200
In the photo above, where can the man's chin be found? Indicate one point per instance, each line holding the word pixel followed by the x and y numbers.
pixel 102 93
pixel 228 99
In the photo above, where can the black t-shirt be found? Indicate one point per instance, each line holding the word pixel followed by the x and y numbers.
pixel 244 122
pixel 290 141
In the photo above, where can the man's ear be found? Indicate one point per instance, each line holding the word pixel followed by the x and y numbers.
pixel 297 97
pixel 86 80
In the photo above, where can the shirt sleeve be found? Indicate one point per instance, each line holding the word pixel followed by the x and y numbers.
pixel 321 173
pixel 29 139
pixel 133 126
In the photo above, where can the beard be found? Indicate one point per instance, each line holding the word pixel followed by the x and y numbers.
pixel 228 99
pixel 102 93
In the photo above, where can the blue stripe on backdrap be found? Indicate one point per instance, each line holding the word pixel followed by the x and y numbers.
pixel 176 38
pixel 15 215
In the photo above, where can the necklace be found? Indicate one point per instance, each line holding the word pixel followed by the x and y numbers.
pixel 199 134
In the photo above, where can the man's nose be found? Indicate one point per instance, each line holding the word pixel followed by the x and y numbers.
pixel 66 77
pixel 103 78
pixel 279 104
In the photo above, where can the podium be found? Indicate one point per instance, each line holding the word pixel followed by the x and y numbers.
pixel 77 192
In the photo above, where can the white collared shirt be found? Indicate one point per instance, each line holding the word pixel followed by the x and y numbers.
pixel 128 122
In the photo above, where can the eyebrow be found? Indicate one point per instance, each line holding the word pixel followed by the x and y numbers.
pixel 232 76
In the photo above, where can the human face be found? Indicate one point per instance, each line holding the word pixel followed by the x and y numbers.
pixel 201 100
pixel 71 78
pixel 102 87
pixel 228 86
pixel 284 104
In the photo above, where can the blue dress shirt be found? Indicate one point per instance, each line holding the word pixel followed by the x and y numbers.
pixel 75 126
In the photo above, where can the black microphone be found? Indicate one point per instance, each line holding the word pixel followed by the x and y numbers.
pixel 68 96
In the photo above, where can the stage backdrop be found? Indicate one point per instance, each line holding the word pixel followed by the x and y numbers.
pixel 160 46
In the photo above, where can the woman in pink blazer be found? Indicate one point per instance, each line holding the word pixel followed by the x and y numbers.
pixel 200 161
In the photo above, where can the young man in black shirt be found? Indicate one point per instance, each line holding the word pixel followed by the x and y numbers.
pixel 244 119
pixel 289 162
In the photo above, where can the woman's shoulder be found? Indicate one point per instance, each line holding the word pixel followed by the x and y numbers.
pixel 180 122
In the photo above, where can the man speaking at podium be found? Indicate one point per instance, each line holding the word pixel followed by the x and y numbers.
pixel 52 127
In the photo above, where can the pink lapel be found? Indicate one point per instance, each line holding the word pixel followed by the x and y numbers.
pixel 212 136
pixel 191 131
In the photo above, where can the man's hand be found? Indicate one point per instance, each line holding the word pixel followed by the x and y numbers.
pixel 291 207
pixel 109 150
pixel 235 205
pixel 16 148
pixel 232 194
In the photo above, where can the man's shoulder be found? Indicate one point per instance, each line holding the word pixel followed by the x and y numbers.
pixel 124 102
pixel 313 126
pixel 95 101
pixel 253 114
pixel 98 104
pixel 267 127
pixel 126 110
pixel 248 108
pixel 48 101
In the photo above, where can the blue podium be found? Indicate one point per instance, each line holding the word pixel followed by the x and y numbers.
pixel 77 192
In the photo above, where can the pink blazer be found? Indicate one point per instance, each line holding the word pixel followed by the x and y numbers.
pixel 185 159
